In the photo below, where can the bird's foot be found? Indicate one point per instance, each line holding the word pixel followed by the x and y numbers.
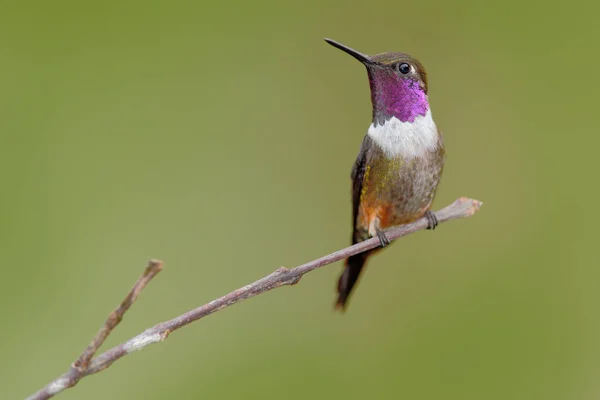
pixel 433 221
pixel 383 239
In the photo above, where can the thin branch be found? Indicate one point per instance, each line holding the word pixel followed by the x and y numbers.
pixel 461 208
pixel 152 269
pixel 80 366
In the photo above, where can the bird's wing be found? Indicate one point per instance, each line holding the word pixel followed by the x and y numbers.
pixel 357 175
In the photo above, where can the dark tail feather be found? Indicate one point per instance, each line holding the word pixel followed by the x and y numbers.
pixel 354 265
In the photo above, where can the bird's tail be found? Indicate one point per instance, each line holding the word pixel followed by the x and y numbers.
pixel 354 264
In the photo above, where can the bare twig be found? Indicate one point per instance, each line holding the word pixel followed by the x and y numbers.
pixel 80 366
pixel 152 269
pixel 461 208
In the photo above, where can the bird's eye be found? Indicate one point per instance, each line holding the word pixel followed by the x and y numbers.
pixel 404 68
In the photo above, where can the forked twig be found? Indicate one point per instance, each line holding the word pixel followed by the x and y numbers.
pixel 86 365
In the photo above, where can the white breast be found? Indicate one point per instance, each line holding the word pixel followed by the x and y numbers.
pixel 406 139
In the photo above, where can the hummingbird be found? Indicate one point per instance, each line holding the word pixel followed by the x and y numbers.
pixel 400 161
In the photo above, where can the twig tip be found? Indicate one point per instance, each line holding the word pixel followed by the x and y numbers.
pixel 155 265
pixel 471 206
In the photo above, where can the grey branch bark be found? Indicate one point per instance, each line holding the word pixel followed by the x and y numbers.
pixel 86 365
pixel 80 367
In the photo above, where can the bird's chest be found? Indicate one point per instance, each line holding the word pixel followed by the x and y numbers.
pixel 398 190
pixel 402 173
pixel 399 179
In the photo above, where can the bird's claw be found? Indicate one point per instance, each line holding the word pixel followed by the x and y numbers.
pixel 383 239
pixel 433 221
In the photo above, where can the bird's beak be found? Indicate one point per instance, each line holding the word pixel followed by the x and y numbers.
pixel 363 58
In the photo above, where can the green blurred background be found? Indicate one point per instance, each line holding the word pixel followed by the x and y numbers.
pixel 219 138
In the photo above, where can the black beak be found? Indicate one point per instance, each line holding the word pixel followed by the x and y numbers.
pixel 363 58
